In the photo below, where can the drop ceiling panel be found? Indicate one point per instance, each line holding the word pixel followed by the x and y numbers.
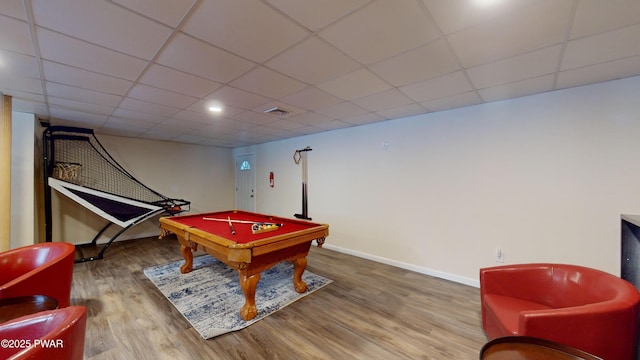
pixel 190 138
pixel 402 111
pixel 529 65
pixel 355 85
pixel 227 125
pixel 599 72
pixel 76 118
pixel 92 21
pixel 342 110
pixel 32 100
pixel 158 133
pixel 224 23
pixel 612 45
pixel 95 111
pixel 594 16
pixel 180 125
pixel 311 98
pixel 313 61
pixel 86 107
pixel 73 52
pixel 267 83
pixel 364 119
pixel 27 103
pixel 10 82
pixel 169 12
pixel 148 107
pixel 286 125
pixel 13 8
pixel 202 106
pixel 317 14
pixel 490 41
pixel 310 118
pixel 455 101
pixel 20 65
pixel 305 130
pixel 136 125
pixel 456 15
pixel 424 63
pixel 177 81
pixel 191 116
pixel 444 86
pixel 160 96
pixel 237 97
pixel 254 118
pixel 518 88
pixel 82 95
pixel 332 63
pixel 381 29
pixel 137 115
pixel 14 36
pixel 333 125
pixel 204 60
pixel 383 100
pixel 74 76
pixel 269 132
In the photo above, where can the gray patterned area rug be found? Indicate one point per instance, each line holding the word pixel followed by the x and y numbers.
pixel 210 297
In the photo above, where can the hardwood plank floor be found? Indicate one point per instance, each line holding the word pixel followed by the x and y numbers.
pixel 370 311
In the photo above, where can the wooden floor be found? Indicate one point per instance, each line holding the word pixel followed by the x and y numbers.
pixel 370 311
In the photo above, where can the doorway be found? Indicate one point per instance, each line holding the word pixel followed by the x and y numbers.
pixel 245 182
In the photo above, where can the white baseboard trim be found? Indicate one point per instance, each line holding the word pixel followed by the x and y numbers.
pixel 380 259
pixel 402 265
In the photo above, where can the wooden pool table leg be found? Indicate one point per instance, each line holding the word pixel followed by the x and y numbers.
pixel 248 285
pixel 299 265
pixel 187 252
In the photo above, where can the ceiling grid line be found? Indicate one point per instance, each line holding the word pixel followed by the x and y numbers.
pixel 142 69
pixel 565 41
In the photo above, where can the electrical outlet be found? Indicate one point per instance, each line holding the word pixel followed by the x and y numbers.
pixel 499 255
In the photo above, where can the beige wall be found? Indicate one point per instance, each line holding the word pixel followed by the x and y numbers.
pixel 201 174
pixel 545 178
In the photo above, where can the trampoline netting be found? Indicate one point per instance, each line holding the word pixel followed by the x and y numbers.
pixel 78 166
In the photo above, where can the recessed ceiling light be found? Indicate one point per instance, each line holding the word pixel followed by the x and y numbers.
pixel 215 108
pixel 487 2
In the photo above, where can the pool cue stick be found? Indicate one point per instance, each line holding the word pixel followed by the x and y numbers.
pixel 228 219
pixel 242 221
pixel 233 231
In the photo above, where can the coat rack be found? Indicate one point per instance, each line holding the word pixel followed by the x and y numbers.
pixel 300 156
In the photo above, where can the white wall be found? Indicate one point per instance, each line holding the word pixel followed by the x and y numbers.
pixel 543 177
pixel 23 180
pixel 201 174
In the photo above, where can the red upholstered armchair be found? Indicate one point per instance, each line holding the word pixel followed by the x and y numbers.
pixel 587 309
pixel 40 269
pixel 55 334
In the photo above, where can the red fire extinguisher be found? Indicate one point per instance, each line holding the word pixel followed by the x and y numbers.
pixel 271 183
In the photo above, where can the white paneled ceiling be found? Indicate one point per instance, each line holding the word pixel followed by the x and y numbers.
pixel 152 69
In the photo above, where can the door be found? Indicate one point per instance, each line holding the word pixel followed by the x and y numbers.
pixel 245 182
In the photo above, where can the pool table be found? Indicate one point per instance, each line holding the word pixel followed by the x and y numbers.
pixel 248 242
